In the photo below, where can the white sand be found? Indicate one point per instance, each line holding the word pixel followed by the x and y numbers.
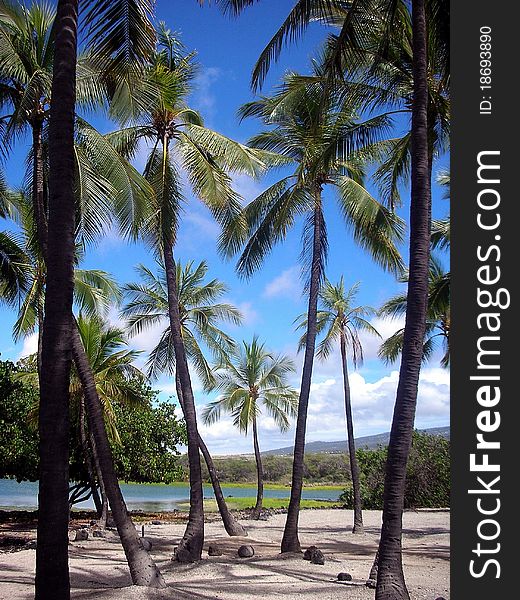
pixel 98 568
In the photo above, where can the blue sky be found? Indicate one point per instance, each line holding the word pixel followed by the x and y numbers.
pixel 271 299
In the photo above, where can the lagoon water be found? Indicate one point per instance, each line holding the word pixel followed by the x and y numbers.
pixel 146 497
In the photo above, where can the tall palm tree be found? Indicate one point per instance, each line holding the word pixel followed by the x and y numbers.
pixel 52 574
pixel 257 377
pixel 58 331
pixel 437 321
pixel 340 320
pixel 390 578
pixel 93 290
pixel 200 314
pixel 180 141
pixel 325 144
pixel 101 177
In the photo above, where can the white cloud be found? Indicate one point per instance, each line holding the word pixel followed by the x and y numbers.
pixel 386 327
pixel 249 313
pixel 372 405
pixel 203 224
pixel 285 285
pixel 30 346
pixel 247 187
pixel 203 99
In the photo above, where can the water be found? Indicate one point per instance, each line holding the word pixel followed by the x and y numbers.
pixel 150 498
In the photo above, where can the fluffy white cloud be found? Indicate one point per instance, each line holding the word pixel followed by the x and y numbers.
pixel 30 346
pixel 247 187
pixel 203 99
pixel 372 405
pixel 285 285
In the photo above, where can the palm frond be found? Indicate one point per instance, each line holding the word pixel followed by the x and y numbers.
pixel 375 228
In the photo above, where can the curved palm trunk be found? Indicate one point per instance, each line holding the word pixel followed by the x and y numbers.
pixel 290 541
pixel 259 473
pixel 103 513
pixel 85 446
pixel 190 547
pixel 390 580
pixel 354 468
pixel 52 569
pixel 143 570
pixel 231 525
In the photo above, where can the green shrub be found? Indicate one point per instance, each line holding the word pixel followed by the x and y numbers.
pixel 427 475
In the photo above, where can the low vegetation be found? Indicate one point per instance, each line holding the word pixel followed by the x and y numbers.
pixel 427 476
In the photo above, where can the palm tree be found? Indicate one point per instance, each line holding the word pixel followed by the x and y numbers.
pixel 93 290
pixel 180 141
pixel 200 314
pixel 390 578
pixel 112 367
pixel 326 145
pixel 52 573
pixel 339 319
pixel 106 177
pixel 257 377
pixel 437 319
pixel 113 370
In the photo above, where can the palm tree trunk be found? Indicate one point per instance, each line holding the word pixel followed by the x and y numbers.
pixel 231 525
pixel 259 473
pixel 38 194
pixel 40 342
pixel 372 576
pixel 103 514
pixel 52 570
pixel 86 448
pixel 143 570
pixel 390 580
pixel 354 468
pixel 190 547
pixel 290 541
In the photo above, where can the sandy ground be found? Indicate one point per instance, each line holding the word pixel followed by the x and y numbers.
pixel 98 568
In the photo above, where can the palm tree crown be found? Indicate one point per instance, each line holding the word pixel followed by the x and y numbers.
pixel 338 316
pixel 257 377
pixel 112 364
pixel 180 141
pixel 326 145
pixel 437 317
pixel 200 312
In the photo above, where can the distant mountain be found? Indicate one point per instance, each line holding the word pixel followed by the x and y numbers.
pixel 369 442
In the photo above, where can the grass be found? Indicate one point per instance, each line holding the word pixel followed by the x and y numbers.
pixel 249 502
